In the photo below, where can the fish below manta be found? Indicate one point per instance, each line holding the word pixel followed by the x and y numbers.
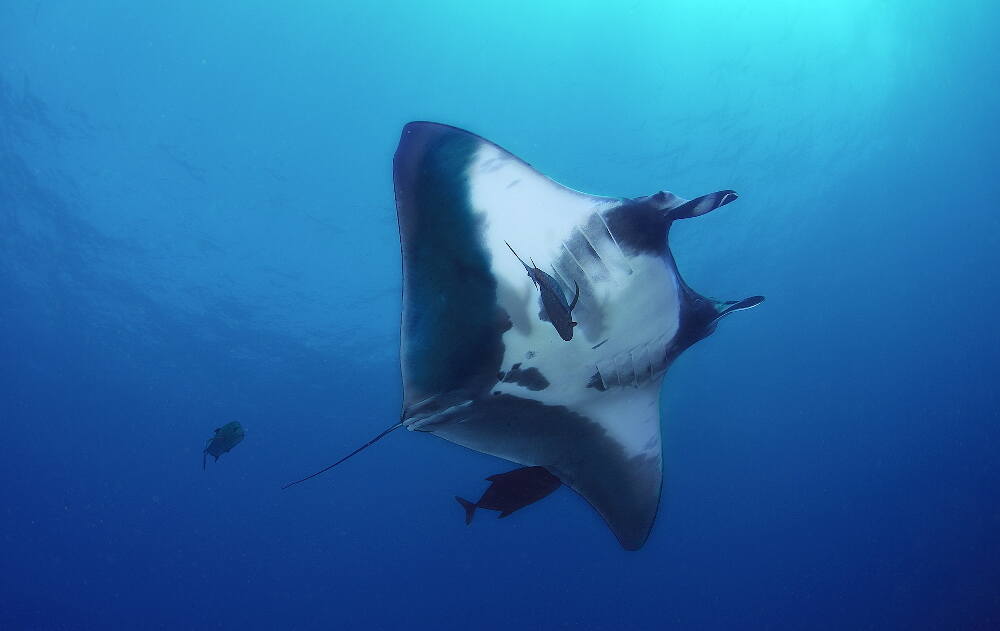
pixel 481 366
pixel 512 491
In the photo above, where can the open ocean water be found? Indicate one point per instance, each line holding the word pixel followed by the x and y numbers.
pixel 197 225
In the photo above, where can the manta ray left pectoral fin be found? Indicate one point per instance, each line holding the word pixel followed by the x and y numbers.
pixel 455 210
pixel 576 297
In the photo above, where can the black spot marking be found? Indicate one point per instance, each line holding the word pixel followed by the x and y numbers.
pixel 530 378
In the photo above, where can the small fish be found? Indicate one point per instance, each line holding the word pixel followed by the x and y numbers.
pixel 226 437
pixel 512 491
pixel 557 309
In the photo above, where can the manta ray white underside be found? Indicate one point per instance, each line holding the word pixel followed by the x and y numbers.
pixel 482 365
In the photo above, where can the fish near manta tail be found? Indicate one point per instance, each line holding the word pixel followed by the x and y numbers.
pixel 356 451
pixel 481 370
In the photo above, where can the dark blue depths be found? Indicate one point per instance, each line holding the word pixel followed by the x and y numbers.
pixel 197 226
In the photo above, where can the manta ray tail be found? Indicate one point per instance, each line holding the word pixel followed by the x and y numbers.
pixel 359 449
pixel 469 507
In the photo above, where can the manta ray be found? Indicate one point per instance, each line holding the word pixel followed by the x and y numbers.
pixel 485 362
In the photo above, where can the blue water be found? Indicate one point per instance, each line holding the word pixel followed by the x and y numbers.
pixel 197 226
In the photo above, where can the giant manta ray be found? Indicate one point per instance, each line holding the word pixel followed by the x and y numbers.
pixel 485 359
pixel 497 357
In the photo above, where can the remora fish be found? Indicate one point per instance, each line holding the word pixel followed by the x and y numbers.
pixel 554 304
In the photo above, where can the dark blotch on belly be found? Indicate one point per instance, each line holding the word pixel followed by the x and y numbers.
pixel 530 378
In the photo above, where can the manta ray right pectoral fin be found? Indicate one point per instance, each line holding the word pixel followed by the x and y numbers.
pixel 610 456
